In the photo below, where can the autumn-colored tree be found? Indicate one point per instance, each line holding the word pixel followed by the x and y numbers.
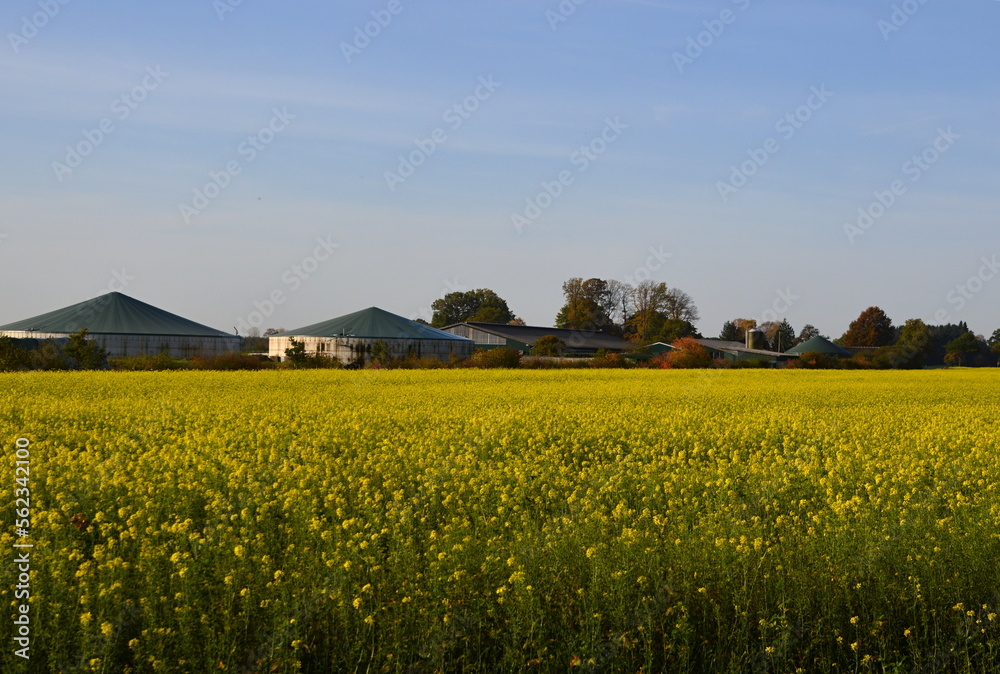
pixel 871 328
pixel 688 353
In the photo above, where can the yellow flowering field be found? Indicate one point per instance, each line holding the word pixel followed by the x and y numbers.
pixel 455 520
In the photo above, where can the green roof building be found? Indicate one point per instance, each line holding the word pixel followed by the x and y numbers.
pixel 351 338
pixel 124 326
pixel 820 345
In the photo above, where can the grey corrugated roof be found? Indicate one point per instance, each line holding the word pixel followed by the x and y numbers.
pixel 114 313
pixel 725 345
pixel 372 323
pixel 574 339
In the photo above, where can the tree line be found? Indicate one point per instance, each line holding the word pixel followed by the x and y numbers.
pixel 650 312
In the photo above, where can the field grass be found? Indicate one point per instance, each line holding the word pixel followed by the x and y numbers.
pixel 420 521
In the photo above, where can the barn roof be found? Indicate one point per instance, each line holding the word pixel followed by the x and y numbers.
pixel 529 334
pixel 372 323
pixel 820 345
pixel 114 313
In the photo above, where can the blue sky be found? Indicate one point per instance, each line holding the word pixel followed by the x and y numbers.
pixel 613 105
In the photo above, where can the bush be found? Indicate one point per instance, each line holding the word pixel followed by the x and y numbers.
pixel 611 360
pixel 12 357
pixel 813 360
pixel 85 354
pixel 687 354
pixel 548 345
pixel 503 357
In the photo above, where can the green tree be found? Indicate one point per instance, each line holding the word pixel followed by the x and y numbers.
pixel 960 347
pixel 650 302
pixel 481 305
pixel 915 343
pixel 586 306
pixel 672 329
pixel 296 354
pixel 783 338
pixel 86 353
pixel 996 351
pixel 871 328
pixel 729 332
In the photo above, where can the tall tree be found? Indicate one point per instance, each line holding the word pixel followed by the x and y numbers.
pixel 962 346
pixel 618 301
pixel 679 306
pixel 480 305
pixel 871 328
pixel 808 332
pixel 729 332
pixel 914 344
pixel 650 300
pixel 994 344
pixel 782 337
pixel 586 305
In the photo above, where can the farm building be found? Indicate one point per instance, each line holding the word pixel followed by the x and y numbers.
pixel 820 345
pixel 351 338
pixel 124 326
pixel 523 337
pixel 734 351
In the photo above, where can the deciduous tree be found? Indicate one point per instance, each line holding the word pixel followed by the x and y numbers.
pixel 480 305
pixel 872 328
